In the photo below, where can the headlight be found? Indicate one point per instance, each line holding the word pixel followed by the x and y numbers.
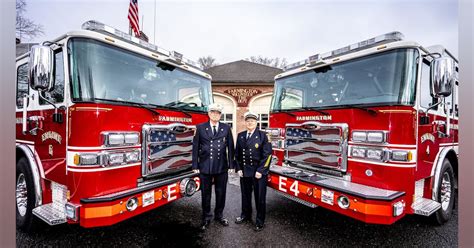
pixel 375 154
pixel 359 136
pixel 368 153
pixel 115 158
pixel 86 159
pixel 109 158
pixel 278 144
pixel 119 158
pixel 369 136
pixel 376 137
pixel 131 157
pixel 401 156
pixel 358 152
pixel 131 138
pixel 120 138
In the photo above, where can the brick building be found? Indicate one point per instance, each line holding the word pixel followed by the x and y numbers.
pixel 241 86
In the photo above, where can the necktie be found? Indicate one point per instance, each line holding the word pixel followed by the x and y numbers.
pixel 214 130
pixel 248 136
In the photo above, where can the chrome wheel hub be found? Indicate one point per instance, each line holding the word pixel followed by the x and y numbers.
pixel 445 191
pixel 21 194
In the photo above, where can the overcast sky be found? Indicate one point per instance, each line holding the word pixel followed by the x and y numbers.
pixel 234 30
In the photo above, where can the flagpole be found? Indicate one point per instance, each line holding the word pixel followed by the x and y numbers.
pixel 154 24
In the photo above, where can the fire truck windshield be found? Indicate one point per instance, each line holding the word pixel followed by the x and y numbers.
pixel 102 71
pixel 386 78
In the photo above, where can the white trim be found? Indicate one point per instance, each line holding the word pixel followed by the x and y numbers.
pixel 449 144
pixel 441 154
pixel 75 169
pixel 36 168
pixel 382 145
pixel 25 142
pixel 234 114
pixel 254 98
pixel 436 169
pixel 407 165
pixel 98 148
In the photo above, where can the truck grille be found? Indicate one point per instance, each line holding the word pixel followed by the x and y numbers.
pixel 313 145
pixel 167 148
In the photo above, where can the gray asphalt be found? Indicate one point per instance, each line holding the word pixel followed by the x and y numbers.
pixel 288 224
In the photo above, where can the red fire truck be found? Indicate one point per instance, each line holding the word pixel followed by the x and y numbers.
pixel 104 127
pixel 369 130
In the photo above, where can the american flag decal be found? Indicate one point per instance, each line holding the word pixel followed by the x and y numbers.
pixel 168 150
pixel 133 17
pixel 316 147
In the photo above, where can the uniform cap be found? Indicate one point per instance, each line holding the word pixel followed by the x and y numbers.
pixel 249 114
pixel 215 107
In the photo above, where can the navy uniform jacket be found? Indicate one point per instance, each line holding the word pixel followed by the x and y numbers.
pixel 213 154
pixel 254 154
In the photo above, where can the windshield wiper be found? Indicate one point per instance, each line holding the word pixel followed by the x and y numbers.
pixel 299 109
pixel 368 110
pixel 284 111
pixel 315 109
pixel 142 105
pixel 167 106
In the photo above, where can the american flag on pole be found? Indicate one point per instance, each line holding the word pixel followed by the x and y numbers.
pixel 133 17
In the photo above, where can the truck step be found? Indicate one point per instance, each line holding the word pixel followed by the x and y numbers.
pixel 50 214
pixel 296 199
pixel 424 206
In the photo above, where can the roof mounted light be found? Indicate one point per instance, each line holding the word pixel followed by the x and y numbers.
pixel 102 28
pixel 295 65
pixel 378 40
pixel 178 57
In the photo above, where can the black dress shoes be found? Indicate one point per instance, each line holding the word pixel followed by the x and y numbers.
pixel 259 227
pixel 223 221
pixel 204 225
pixel 240 220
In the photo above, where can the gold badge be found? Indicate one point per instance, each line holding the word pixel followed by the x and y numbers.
pixel 256 146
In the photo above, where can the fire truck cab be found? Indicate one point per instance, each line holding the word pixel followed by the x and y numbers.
pixel 104 127
pixel 369 130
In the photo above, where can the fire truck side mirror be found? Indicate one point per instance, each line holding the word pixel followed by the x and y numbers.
pixel 41 63
pixel 442 76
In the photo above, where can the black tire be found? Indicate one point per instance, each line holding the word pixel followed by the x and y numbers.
pixel 25 220
pixel 444 213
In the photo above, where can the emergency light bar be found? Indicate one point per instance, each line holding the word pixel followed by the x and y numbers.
pixel 102 28
pixel 381 39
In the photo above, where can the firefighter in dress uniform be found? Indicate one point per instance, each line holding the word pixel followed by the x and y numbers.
pixel 253 157
pixel 213 157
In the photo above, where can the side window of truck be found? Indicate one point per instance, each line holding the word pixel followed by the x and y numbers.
pixel 22 87
pixel 425 93
pixel 57 94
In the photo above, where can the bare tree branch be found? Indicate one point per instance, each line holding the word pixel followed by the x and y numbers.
pixel 25 28
pixel 274 62
pixel 206 62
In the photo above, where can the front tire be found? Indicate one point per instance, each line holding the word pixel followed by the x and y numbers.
pixel 445 194
pixel 25 197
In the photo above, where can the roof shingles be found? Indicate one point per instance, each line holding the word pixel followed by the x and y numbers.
pixel 243 72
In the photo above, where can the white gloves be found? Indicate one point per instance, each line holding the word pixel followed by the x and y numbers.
pixel 258 175
pixel 196 171
pixel 231 170
pixel 241 173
